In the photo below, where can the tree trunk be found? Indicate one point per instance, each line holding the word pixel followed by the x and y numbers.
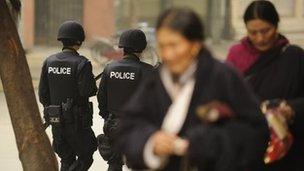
pixel 34 148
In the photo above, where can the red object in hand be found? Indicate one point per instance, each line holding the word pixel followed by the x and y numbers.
pixel 277 148
pixel 280 139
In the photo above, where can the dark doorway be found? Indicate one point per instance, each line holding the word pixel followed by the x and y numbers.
pixel 50 14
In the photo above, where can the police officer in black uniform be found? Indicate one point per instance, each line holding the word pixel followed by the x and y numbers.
pixel 119 81
pixel 66 84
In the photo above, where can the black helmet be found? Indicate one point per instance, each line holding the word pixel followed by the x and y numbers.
pixel 71 30
pixel 133 39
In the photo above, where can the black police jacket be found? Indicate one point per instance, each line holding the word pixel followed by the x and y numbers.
pixel 232 145
pixel 119 81
pixel 66 75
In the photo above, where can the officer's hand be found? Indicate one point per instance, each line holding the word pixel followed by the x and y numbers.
pixel 163 143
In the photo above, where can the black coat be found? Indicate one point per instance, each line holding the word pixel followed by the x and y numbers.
pixel 279 74
pixel 69 75
pixel 66 75
pixel 120 79
pixel 233 144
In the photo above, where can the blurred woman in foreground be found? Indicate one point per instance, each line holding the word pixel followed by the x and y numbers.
pixel 194 113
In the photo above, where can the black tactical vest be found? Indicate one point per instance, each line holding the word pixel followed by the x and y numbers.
pixel 62 72
pixel 122 79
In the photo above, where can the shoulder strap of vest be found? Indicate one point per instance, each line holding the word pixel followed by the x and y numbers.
pixel 81 65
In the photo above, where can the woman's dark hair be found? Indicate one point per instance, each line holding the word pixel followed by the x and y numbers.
pixel 184 21
pixel 264 10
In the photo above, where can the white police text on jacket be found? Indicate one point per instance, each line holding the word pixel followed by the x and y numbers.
pixel 60 70
pixel 122 75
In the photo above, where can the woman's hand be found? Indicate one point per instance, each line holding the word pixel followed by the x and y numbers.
pixel 286 110
pixel 279 106
pixel 181 146
pixel 163 143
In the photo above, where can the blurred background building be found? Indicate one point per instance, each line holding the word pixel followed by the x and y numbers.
pixel 102 18
pixel 40 19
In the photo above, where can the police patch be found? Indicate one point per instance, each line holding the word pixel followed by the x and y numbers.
pixel 122 75
pixel 60 70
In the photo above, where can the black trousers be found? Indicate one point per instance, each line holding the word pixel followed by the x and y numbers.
pixel 74 147
pixel 110 130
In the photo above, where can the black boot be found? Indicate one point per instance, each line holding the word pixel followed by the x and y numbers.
pixel 115 167
pixel 64 167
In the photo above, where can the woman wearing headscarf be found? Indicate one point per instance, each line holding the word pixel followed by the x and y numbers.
pixel 275 70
